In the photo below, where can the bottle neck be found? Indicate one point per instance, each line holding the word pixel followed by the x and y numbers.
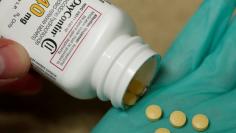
pixel 118 66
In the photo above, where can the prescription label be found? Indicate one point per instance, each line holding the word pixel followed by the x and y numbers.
pixel 75 37
pixel 52 31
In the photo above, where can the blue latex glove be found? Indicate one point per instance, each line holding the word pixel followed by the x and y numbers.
pixel 198 75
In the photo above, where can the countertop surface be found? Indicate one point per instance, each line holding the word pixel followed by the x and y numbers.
pixel 53 111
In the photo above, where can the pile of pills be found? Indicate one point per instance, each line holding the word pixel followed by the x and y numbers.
pixel 177 119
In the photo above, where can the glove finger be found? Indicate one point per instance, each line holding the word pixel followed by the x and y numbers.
pixel 218 69
pixel 196 40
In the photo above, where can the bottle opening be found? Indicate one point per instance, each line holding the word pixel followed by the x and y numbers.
pixel 140 83
pixel 125 71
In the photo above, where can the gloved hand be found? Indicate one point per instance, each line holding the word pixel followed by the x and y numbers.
pixel 198 75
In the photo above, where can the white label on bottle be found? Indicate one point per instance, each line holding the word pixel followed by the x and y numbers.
pixel 75 37
pixel 51 30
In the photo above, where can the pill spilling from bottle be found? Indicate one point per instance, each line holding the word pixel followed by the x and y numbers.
pixel 135 91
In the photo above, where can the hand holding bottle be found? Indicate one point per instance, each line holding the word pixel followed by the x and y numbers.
pixel 14 69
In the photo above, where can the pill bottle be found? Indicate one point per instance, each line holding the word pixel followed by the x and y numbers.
pixel 89 48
